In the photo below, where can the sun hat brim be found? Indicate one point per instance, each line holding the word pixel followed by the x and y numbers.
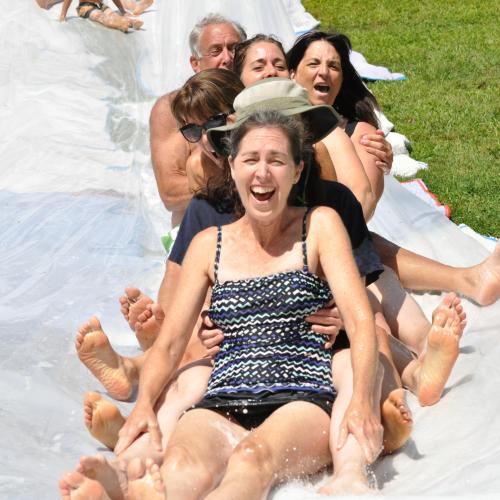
pixel 322 119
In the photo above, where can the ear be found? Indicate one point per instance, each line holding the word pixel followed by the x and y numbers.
pixel 292 74
pixel 195 63
pixel 231 118
pixel 298 172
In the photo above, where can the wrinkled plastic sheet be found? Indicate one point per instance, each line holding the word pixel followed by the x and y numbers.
pixel 81 219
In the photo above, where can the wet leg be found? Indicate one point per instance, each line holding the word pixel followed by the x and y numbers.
pixel 349 463
pixel 190 468
pixel 276 451
pixel 481 282
pixel 110 19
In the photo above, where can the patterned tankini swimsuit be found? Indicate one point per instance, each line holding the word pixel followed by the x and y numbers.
pixel 269 356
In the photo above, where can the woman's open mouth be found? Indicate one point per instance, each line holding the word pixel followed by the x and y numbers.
pixel 261 193
pixel 322 88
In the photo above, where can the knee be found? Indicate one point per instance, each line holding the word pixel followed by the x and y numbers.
pixel 180 460
pixel 254 458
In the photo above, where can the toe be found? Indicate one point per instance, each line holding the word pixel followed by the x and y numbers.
pixel 94 323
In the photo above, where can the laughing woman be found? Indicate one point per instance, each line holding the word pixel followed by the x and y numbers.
pixel 268 270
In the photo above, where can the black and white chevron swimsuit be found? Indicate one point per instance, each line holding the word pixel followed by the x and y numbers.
pixel 269 356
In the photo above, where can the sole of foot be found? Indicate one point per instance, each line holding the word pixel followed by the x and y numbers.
pixel 98 468
pixel 145 481
pixel 97 354
pixel 102 418
pixel 397 421
pixel 448 323
pixel 141 7
pixel 132 304
pixel 148 325
pixel 75 486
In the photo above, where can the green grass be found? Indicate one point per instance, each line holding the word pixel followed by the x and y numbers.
pixel 449 106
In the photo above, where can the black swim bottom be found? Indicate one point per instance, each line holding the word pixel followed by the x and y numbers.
pixel 250 410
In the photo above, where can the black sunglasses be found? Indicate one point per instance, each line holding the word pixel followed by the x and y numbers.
pixel 192 132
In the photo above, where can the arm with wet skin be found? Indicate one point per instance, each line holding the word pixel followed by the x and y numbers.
pixel 339 268
pixel 166 353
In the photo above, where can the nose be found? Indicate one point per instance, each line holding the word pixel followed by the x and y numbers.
pixel 226 58
pixel 262 170
pixel 203 142
pixel 271 71
pixel 323 69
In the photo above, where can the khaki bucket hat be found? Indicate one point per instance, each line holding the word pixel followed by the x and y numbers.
pixel 277 94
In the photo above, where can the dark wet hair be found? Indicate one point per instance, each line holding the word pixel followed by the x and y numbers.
pixel 206 94
pixel 308 187
pixel 354 101
pixel 241 49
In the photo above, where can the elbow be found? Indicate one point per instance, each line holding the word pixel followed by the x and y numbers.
pixel 368 202
pixel 170 202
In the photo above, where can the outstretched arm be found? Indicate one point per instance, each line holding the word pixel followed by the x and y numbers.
pixel 64 10
pixel 338 266
pixel 166 353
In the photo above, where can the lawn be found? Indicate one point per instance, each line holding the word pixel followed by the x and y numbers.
pixel 449 105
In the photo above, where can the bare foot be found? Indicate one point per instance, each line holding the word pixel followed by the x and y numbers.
pixel 96 353
pixel 488 279
pixel 397 421
pixel 148 325
pixel 348 482
pixel 75 486
pixel 102 418
pixel 111 478
pixel 141 6
pixel 134 22
pixel 132 304
pixel 448 323
pixel 145 481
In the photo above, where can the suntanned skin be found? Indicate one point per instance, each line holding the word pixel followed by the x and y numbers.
pixel 170 152
pixel 169 155
pixel 47 4
pixel 107 17
pixel 197 275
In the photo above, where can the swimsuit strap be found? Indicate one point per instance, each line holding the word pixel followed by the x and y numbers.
pixel 304 234
pixel 217 253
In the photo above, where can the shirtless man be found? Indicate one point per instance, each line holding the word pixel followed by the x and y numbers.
pixel 211 42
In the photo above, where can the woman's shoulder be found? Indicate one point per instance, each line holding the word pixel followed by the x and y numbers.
pixel 322 217
pixel 205 239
